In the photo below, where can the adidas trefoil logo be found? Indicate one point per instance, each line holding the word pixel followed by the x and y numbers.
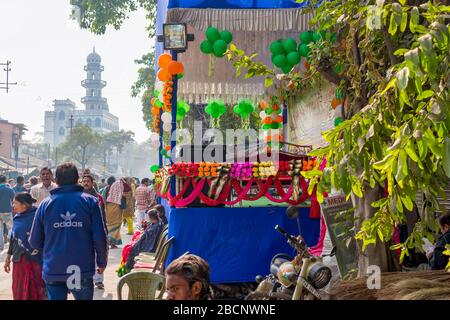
pixel 68 223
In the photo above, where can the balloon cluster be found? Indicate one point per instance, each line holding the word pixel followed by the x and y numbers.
pixel 284 54
pixel 271 119
pixel 168 67
pixel 216 42
pixel 182 109
pixel 166 152
pixel 337 104
pixel 154 168
pixel 215 108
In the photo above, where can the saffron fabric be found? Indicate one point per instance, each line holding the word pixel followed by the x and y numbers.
pixel 114 223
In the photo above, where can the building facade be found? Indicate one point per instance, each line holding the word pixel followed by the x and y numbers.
pixel 10 138
pixel 95 114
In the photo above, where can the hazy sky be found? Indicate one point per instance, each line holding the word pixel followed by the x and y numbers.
pixel 48 54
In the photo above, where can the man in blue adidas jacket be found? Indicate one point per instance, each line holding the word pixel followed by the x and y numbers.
pixel 69 229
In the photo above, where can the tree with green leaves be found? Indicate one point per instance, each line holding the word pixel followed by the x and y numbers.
pixel 112 141
pixel 81 144
pixel 391 65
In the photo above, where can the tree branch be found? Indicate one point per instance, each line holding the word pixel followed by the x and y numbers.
pixel 389 46
pixel 330 75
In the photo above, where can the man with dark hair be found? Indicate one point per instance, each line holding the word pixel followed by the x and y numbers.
pixel 42 190
pixel 439 260
pixel 69 229
pixel 188 278
pixel 6 199
pixel 19 185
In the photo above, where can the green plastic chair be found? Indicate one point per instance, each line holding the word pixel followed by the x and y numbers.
pixel 142 285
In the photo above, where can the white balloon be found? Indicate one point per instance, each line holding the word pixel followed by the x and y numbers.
pixel 262 114
pixel 159 85
pixel 161 97
pixel 166 117
pixel 167 127
pixel 154 137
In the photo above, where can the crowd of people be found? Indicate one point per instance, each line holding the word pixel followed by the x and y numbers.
pixel 59 229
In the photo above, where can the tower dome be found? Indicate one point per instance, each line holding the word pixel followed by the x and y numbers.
pixel 94 57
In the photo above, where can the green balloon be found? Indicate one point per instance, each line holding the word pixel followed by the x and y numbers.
pixel 293 58
pixel 154 168
pixel 219 48
pixel 338 93
pixel 279 111
pixel 276 48
pixel 267 126
pixel 289 45
pixel 181 112
pixel 180 117
pixel 338 121
pixel 212 34
pixel 164 152
pixel 158 103
pixel 268 111
pixel 304 50
pixel 180 76
pixel 287 68
pixel 226 36
pixel 156 93
pixel 306 37
pixel 275 125
pixel 280 60
pixel 237 109
pixel 206 47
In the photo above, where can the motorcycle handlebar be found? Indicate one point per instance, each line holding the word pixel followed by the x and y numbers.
pixel 284 233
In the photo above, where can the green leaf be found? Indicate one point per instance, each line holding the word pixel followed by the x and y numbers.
pixel 385 163
pixel 357 190
pixel 400 52
pixel 425 95
pixel 404 22
pixel 402 166
pixel 389 85
pixel 399 205
pixel 414 21
pixel 402 76
pixel 392 25
pixel 268 82
pixel 411 152
pixel 446 158
pixel 409 205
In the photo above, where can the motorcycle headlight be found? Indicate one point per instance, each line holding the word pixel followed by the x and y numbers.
pixel 319 275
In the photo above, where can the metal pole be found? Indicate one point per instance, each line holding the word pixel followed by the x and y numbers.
pixel 285 125
pixel 173 142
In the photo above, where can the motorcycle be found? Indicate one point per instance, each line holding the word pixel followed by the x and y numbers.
pixel 298 278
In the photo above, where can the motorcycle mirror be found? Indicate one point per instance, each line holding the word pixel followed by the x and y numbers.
pixel 292 212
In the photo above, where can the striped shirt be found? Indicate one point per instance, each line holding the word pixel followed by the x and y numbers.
pixel 143 198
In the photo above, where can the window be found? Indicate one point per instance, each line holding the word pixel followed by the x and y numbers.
pixel 92 92
pixel 92 107
pixel 89 122
pixel 98 123
pixel 62 131
pixel 93 76
pixel 62 115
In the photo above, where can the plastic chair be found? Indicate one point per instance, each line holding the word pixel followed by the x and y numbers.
pixel 142 285
pixel 160 259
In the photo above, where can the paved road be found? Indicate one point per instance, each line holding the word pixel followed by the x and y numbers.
pixel 111 278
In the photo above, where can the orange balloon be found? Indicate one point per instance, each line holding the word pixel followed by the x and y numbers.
pixel 278 119
pixel 268 138
pixel 172 67
pixel 155 111
pixel 164 75
pixel 164 60
pixel 263 104
pixel 267 120
pixel 275 107
pixel 335 103
pixel 180 68
pixel 167 148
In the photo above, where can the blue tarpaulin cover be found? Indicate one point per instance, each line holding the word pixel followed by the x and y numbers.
pixel 236 4
pixel 238 243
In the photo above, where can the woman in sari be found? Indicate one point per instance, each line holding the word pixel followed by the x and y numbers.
pixel 114 203
pixel 27 283
pixel 128 212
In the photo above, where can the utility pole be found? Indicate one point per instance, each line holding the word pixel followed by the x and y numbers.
pixel 7 83
pixel 71 123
